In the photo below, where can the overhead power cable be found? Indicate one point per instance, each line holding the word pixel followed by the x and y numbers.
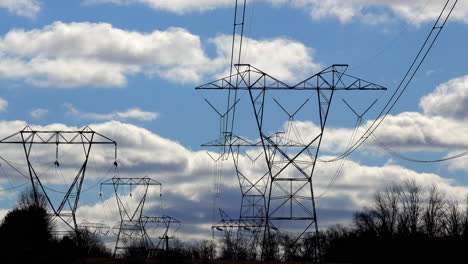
pixel 403 157
pixel 408 77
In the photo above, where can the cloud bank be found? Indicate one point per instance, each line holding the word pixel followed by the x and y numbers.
pixel 132 113
pixel 365 11
pixel 70 55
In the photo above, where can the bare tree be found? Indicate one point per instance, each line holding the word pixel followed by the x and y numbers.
pixel 434 212
pixel 228 247
pixel 453 219
pixel 290 247
pixel 411 208
pixel 465 220
pixel 364 222
pixel 206 250
pixel 27 199
pixel 386 210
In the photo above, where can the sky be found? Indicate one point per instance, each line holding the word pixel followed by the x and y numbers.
pixel 129 68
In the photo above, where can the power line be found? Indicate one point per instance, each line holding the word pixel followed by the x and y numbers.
pixel 408 77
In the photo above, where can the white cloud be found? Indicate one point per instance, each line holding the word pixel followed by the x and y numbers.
pixel 100 55
pixel 377 11
pixel 27 8
pixel 367 11
pixel 94 54
pixel 133 113
pixel 450 99
pixel 282 58
pixel 175 6
pixel 187 177
pixel 404 132
pixel 3 105
pixel 39 112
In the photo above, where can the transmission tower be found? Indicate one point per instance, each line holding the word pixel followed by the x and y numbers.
pixel 253 188
pixel 133 227
pixel 291 162
pixel 163 223
pixel 86 138
pixel 95 228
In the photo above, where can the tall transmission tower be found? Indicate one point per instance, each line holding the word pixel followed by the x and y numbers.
pixel 291 163
pixel 85 138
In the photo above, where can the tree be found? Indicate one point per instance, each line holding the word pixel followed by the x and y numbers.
pixel 453 220
pixel 88 244
pixel 411 202
pixel 26 231
pixel 434 212
pixel 206 250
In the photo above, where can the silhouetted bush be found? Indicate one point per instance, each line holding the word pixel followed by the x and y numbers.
pixel 26 236
pixel 25 232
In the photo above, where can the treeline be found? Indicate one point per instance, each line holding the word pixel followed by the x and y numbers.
pixel 404 223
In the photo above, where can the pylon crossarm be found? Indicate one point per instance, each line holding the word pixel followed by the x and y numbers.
pixel 332 78
pixel 335 78
pixel 117 182
pixel 250 78
pixel 28 137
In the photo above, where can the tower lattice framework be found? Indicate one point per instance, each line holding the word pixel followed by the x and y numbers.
pixel 290 209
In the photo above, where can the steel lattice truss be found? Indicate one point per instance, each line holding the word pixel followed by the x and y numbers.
pixel 131 229
pixel 251 219
pixel 134 225
pixel 86 137
pixel 163 223
pixel 290 160
pixel 95 228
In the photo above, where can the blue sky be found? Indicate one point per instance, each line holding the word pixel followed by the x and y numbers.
pixel 129 68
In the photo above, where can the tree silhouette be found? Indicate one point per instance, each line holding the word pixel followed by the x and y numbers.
pixel 25 232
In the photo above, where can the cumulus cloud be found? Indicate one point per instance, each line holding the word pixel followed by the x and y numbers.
pixel 187 178
pixel 282 58
pixel 3 105
pixel 175 6
pixel 366 11
pixel 133 113
pixel 449 99
pixel 373 11
pixel 404 132
pixel 26 8
pixel 39 112
pixel 94 54
pixel 71 55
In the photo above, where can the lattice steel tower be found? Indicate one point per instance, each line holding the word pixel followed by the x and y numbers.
pixel 291 161
pixel 86 138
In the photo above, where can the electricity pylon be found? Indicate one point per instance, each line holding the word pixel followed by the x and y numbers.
pixel 131 229
pixel 253 186
pixel 291 161
pixel 95 228
pixel 85 138
pixel 162 223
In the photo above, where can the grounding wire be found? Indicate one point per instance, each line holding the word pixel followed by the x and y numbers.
pixel 340 167
pixel 13 187
pixel 391 42
pixel 13 167
pixel 404 83
pixel 403 157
